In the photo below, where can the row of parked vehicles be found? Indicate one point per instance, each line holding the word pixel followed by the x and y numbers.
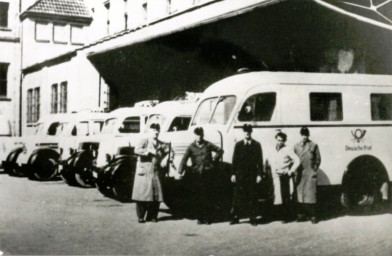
pixel 349 116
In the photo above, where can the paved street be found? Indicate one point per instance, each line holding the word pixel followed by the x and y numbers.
pixel 53 218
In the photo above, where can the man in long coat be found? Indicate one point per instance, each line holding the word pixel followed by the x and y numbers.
pixel 246 173
pixel 282 163
pixel 147 188
pixel 201 173
pixel 309 155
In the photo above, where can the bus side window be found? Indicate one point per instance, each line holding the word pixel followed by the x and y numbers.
pixel 259 107
pixel 326 107
pixel 381 106
pixel 53 128
pixel 180 124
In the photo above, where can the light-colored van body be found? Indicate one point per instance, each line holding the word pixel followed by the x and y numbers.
pixel 6 139
pixel 122 128
pixel 349 116
pixel 84 125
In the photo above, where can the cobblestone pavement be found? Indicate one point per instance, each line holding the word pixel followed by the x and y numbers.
pixel 53 218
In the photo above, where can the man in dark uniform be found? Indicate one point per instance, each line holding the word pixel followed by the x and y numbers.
pixel 201 172
pixel 246 173
pixel 310 159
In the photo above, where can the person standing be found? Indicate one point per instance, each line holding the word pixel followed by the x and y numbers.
pixel 147 188
pixel 310 159
pixel 201 173
pixel 282 163
pixel 246 173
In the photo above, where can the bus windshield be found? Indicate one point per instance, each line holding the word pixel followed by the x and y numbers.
pixel 39 128
pixel 109 125
pixel 215 110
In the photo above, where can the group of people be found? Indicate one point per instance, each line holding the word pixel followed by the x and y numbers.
pixel 293 172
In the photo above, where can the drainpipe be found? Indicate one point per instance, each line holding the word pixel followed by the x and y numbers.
pixel 21 73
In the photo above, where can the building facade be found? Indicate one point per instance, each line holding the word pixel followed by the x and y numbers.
pixel 10 62
pixel 104 54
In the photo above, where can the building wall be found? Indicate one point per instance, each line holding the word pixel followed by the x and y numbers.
pixel 139 13
pixel 86 90
pixel 10 53
pixel 36 50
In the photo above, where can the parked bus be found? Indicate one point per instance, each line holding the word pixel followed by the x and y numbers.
pixel 115 177
pixel 349 117
pixel 83 126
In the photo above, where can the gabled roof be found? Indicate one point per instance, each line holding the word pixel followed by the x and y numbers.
pixel 74 10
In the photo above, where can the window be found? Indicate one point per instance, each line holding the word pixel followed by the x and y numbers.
pixel 180 123
pixel 43 32
pixel 223 110
pixel 107 6
pixel 168 6
pixel 214 110
pixel 4 14
pixel 126 14
pixel 259 107
pixel 381 106
pixel 52 130
pixel 204 112
pixel 145 13
pixel 130 125
pixel 3 79
pixel 54 100
pixel 326 107
pixel 60 33
pixel 63 97
pixel 35 112
pixel 77 35
pixel 29 105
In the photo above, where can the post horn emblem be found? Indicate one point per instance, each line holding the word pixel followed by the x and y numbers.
pixel 358 134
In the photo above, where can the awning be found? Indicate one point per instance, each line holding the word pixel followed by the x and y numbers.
pixel 376 12
pixel 160 62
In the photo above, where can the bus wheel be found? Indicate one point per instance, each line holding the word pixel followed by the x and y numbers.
pixel 363 184
pixel 123 178
pixel 68 177
pixel 44 168
pixel 83 169
pixel 84 178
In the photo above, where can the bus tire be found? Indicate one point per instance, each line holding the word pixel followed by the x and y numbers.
pixel 83 164
pixel 362 184
pixel 67 174
pixel 123 178
pixel 44 166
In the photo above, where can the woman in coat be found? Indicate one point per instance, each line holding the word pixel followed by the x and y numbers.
pixel 309 155
pixel 147 188
pixel 282 163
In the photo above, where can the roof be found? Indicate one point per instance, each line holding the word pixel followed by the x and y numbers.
pixel 181 107
pixel 74 10
pixel 129 111
pixel 240 84
pixel 376 12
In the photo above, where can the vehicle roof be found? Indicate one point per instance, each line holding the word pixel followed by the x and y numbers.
pixel 241 83
pixel 56 118
pixel 180 107
pixel 67 117
pixel 128 111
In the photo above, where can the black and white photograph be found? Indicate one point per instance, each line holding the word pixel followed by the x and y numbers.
pixel 196 127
